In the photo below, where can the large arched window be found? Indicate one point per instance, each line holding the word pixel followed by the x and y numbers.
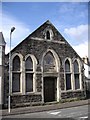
pixel 16 73
pixel 76 75
pixel 29 74
pixel 49 62
pixel 68 75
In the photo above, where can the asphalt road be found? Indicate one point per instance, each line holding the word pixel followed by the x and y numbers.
pixel 78 113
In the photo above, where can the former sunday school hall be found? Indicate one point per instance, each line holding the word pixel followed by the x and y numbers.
pixel 44 68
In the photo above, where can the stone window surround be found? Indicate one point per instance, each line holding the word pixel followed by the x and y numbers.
pixel 50 31
pixel 34 60
pixel 72 74
pixel 22 70
pixel 80 78
pixel 21 77
pixel 67 58
pixel 57 60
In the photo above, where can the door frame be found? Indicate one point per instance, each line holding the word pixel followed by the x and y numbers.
pixel 58 96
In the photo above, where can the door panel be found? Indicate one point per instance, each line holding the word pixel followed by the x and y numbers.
pixel 49 89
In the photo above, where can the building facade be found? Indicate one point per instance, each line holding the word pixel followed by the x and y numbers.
pixel 87 75
pixel 2 57
pixel 45 68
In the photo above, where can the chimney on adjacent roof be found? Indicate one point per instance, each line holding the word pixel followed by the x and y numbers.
pixel 85 60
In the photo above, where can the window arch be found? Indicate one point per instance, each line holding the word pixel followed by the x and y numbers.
pixel 29 64
pixel 49 62
pixel 29 74
pixel 48 33
pixel 30 68
pixel 16 74
pixel 16 63
pixel 76 66
pixel 67 66
pixel 76 75
pixel 68 74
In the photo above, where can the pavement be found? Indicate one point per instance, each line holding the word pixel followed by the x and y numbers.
pixel 32 109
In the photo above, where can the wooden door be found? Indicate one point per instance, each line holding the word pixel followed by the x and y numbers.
pixel 49 89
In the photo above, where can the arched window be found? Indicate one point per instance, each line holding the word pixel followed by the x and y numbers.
pixel 49 62
pixel 29 74
pixel 68 75
pixel 76 75
pixel 16 63
pixel 29 64
pixel 16 73
pixel 67 66
pixel 48 35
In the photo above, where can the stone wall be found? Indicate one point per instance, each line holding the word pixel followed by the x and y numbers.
pixel 38 48
pixel 73 94
pixel 25 100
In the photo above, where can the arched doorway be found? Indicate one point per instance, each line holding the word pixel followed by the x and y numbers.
pixel 51 77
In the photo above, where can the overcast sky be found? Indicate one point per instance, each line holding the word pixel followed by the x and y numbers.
pixel 70 18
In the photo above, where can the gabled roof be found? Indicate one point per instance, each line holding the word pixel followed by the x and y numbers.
pixel 38 33
pixel 46 25
pixel 2 41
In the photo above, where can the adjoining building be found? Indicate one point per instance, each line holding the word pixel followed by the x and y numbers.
pixel 45 68
pixel 87 75
pixel 2 57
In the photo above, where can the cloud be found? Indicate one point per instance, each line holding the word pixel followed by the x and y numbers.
pixel 77 34
pixel 21 31
pixel 82 49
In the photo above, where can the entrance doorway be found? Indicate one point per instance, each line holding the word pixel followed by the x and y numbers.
pixel 50 89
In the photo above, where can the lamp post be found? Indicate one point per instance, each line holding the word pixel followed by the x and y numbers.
pixel 12 29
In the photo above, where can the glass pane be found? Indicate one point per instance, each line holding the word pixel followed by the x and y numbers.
pixel 49 59
pixel 76 66
pixel 16 82
pixel 77 83
pixel 68 81
pixel 16 63
pixel 29 82
pixel 29 64
pixel 48 35
pixel 67 66
pixel 49 62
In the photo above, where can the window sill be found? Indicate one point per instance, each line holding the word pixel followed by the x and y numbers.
pixel 16 93
pixel 71 90
pixel 32 93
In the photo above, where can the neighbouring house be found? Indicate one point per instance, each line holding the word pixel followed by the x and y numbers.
pixel 45 68
pixel 87 75
pixel 2 63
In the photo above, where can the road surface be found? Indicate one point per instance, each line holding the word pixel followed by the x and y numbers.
pixel 78 113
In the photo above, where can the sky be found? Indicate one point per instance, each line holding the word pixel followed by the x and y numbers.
pixel 70 18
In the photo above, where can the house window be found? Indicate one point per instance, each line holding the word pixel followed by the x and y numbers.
pixel 48 35
pixel 29 74
pixel 49 62
pixel 16 73
pixel 67 75
pixel 76 75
